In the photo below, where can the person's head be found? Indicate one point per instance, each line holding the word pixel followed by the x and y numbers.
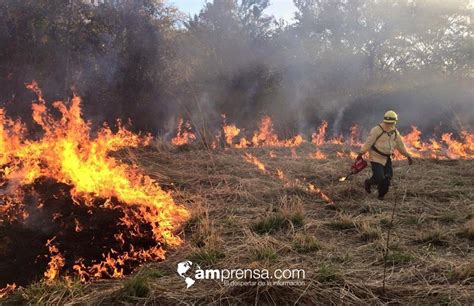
pixel 390 118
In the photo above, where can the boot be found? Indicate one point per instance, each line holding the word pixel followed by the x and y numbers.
pixel 367 186
pixel 383 188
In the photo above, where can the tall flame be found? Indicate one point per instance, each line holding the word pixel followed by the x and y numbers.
pixel 318 137
pixel 230 131
pixel 67 153
pixel 265 135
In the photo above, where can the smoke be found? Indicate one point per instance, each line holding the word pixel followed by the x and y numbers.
pixel 341 61
pixel 344 62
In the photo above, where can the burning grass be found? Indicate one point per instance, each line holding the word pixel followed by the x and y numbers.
pixel 70 209
pixel 444 147
pixel 243 217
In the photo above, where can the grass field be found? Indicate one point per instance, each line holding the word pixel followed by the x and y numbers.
pixel 242 217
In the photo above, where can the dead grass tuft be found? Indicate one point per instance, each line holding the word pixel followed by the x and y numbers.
pixel 270 224
pixel 328 273
pixel 468 230
pixel 435 237
pixel 341 223
pixel 138 285
pixel 207 256
pixel 305 243
pixel 368 231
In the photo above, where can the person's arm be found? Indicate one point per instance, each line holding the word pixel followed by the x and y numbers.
pixel 370 140
pixel 402 148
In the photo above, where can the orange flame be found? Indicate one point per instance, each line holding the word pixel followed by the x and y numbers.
pixel 67 153
pixel 295 141
pixel 353 155
pixel 318 137
pixel 78 227
pixel 355 134
pixel 254 160
pixel 265 134
pixel 230 131
pixel 337 140
pixel 314 189
pixel 184 135
pixel 456 149
pixel 468 141
pixel 243 143
pixel 280 175
pixel 56 262
pixel 318 155
pixel 7 290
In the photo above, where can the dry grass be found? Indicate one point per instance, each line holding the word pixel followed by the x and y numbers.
pixel 306 243
pixel 243 218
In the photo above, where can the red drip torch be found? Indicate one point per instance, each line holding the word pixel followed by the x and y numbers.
pixel 359 165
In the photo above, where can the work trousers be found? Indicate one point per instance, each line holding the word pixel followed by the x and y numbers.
pixel 381 176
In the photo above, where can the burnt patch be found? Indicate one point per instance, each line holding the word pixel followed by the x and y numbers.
pixel 84 233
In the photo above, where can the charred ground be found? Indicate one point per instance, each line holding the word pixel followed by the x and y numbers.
pixel 242 217
pixel 84 234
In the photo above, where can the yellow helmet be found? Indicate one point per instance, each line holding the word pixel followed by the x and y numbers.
pixel 390 117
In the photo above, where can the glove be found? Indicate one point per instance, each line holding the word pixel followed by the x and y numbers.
pixel 410 161
pixel 359 156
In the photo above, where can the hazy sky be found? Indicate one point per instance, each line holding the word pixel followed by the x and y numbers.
pixel 279 8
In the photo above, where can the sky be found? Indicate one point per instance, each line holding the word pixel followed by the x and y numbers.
pixel 279 8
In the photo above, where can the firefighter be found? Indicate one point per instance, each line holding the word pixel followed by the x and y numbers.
pixel 381 144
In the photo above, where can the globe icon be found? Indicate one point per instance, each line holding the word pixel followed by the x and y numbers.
pixel 183 268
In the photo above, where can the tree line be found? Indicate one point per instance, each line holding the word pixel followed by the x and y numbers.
pixel 144 60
